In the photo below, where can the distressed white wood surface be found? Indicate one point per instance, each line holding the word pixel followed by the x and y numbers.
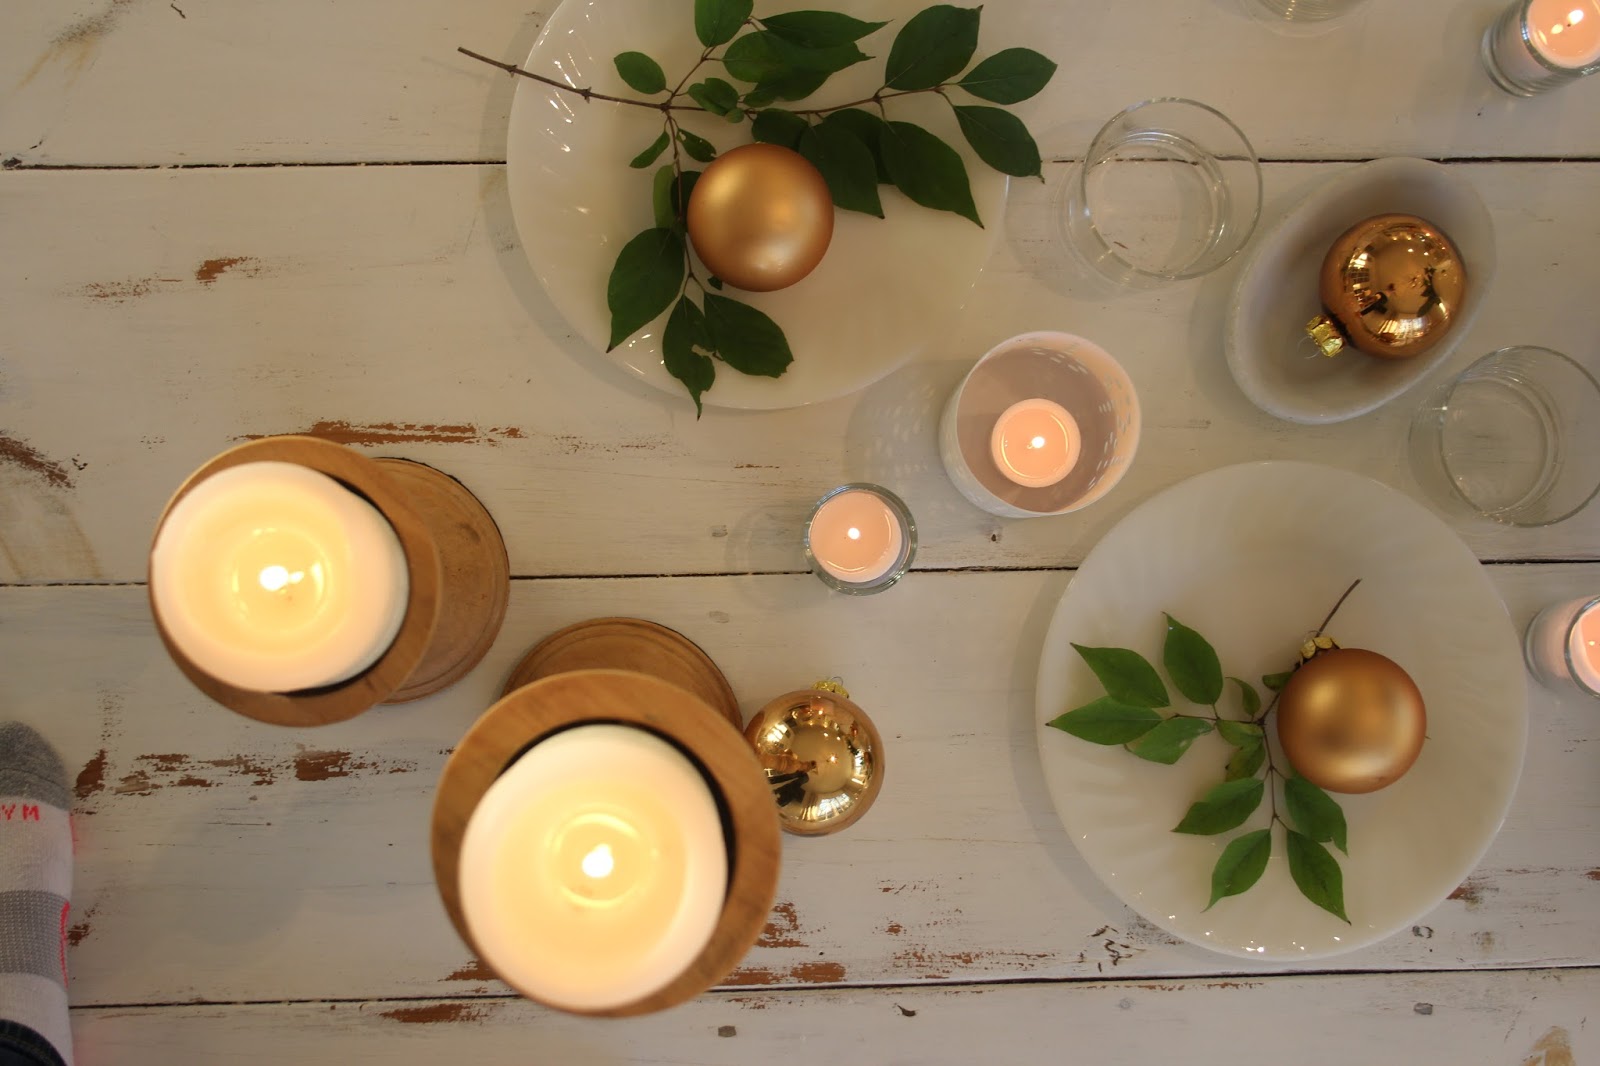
pixel 162 315
pixel 162 82
pixel 1533 1018
pixel 221 860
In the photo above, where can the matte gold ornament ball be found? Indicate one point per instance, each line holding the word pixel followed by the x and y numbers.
pixel 822 756
pixel 1351 720
pixel 1391 286
pixel 760 217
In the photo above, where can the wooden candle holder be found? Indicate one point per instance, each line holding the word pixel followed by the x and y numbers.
pixel 591 692
pixel 455 562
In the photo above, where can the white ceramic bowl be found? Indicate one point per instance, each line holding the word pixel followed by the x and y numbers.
pixel 1268 353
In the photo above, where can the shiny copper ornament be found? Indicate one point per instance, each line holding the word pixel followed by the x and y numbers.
pixel 822 756
pixel 760 217
pixel 1391 286
pixel 1351 720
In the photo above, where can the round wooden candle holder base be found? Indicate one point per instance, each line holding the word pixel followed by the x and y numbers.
pixel 455 563
pixel 543 700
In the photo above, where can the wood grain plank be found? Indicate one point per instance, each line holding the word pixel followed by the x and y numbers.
pixel 391 308
pixel 161 82
pixel 223 860
pixel 1529 1018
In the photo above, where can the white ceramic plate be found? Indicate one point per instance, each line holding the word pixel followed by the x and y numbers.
pixel 1268 353
pixel 1253 557
pixel 885 290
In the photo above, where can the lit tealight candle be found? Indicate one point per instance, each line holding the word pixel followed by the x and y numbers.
pixel 594 870
pixel 1035 443
pixel 1562 645
pixel 273 577
pixel 859 536
pixel 1539 44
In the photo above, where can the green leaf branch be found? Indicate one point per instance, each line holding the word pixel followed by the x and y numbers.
pixel 1129 714
pixel 855 145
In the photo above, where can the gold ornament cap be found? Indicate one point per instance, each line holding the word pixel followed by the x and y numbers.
pixel 1391 286
pixel 822 756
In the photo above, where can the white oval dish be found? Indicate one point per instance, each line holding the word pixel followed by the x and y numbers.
pixel 1276 295
pixel 884 292
pixel 1253 557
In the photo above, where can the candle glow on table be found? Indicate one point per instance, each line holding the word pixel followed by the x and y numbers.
pixel 594 870
pixel 273 577
pixel 856 537
pixel 1566 32
pixel 1035 442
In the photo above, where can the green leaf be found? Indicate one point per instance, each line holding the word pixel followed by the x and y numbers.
pixel 1245 762
pixel 1315 813
pixel 796 85
pixel 699 149
pixel 651 154
pixel 1224 807
pixel 642 73
pixel 1127 676
pixel 1002 141
pixel 661 200
pixel 1167 742
pixel 1190 660
pixel 846 165
pixel 1275 682
pixel 933 47
pixel 764 57
pixel 777 126
pixel 716 21
pixel 1249 697
pixel 758 97
pixel 1009 77
pixel 682 192
pixel 746 339
pixel 686 331
pixel 1105 721
pixel 1241 865
pixel 869 128
pixel 715 282
pixel 648 273
pixel 1317 874
pixel 1240 734
pixel 818 29
pixel 927 170
pixel 715 95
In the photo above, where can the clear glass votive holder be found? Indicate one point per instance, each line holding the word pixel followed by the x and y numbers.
pixel 1304 10
pixel 1515 438
pixel 1075 377
pixel 1168 190
pixel 1562 646
pixel 1539 45
pixel 860 539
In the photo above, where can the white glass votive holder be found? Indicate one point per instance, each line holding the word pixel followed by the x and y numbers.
pixel 1539 45
pixel 1562 646
pixel 860 539
pixel 1066 371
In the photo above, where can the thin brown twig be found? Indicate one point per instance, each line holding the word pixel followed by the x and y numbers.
pixel 587 94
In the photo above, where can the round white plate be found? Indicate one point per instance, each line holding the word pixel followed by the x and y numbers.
pixel 885 290
pixel 1253 557
pixel 1276 295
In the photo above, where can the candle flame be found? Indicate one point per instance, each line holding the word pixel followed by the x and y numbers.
pixel 599 863
pixel 1036 443
pixel 275 578
pixel 853 533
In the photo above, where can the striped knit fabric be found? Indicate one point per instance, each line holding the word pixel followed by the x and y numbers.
pixel 35 884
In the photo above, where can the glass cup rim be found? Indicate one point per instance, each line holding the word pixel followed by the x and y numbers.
pixel 1448 388
pixel 908 550
pixel 1080 180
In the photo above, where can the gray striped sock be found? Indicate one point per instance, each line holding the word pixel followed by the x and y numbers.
pixel 35 884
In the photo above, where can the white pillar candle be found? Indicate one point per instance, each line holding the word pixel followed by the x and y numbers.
pixel 1035 442
pixel 593 871
pixel 856 537
pixel 273 577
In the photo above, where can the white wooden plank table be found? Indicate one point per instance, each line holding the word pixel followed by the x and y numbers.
pixel 198 250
